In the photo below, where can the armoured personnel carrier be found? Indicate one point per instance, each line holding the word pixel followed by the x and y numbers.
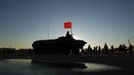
pixel 62 45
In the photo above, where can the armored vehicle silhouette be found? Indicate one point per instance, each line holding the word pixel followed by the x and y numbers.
pixel 61 45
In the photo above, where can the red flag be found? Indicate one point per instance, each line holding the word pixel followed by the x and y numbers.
pixel 67 25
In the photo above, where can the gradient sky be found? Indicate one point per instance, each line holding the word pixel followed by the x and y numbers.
pixel 95 21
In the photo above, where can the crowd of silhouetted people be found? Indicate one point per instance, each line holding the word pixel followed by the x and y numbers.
pixel 15 52
pixel 121 49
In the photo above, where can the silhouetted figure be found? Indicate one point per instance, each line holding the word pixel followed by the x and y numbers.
pixel 95 50
pixel 120 48
pixel 124 51
pixel 112 49
pixel 89 49
pixel 130 48
pixel 69 36
pixel 99 49
pixel 105 49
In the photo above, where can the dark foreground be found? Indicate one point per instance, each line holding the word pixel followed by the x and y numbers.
pixel 125 62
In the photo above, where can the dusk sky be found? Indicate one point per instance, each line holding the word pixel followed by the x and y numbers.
pixel 95 21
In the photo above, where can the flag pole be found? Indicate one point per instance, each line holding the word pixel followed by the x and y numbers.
pixel 48 33
pixel 71 31
pixel 71 25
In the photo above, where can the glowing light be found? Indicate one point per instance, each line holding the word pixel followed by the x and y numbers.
pixel 76 37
